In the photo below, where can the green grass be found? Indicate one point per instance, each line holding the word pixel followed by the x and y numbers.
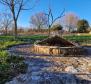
pixel 82 39
pixel 23 38
pixel 77 38
pixel 6 41
pixel 6 44
pixel 3 56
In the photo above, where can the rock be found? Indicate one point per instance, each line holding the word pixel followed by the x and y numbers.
pixel 24 78
pixel 35 68
pixel 89 75
pixel 35 78
pixel 14 81
pixel 82 68
pixel 70 69
pixel 68 79
pixel 36 73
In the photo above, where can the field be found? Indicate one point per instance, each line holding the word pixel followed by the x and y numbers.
pixel 23 38
pixel 81 39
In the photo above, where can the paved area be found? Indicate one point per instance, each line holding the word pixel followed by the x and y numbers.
pixel 43 69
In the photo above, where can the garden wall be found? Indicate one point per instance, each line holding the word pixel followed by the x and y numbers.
pixel 54 50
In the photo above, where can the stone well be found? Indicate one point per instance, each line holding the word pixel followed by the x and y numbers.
pixel 54 50
pixel 71 49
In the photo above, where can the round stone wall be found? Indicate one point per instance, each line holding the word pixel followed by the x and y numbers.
pixel 54 50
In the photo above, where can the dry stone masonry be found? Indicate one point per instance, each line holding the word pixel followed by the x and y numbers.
pixel 57 46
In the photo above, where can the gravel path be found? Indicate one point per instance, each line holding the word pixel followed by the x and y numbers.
pixel 51 70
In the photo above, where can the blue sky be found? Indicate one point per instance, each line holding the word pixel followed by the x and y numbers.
pixel 82 8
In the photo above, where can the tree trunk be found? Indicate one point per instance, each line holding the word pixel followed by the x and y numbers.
pixel 49 30
pixel 69 30
pixel 39 29
pixel 15 28
pixel 5 30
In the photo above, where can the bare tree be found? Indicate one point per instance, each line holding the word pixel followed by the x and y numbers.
pixel 6 21
pixel 70 21
pixel 15 6
pixel 51 19
pixel 39 20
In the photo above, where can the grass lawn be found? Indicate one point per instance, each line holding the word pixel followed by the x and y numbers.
pixel 84 39
pixel 23 38
pixel 76 38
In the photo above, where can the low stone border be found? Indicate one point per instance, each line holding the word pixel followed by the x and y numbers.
pixel 59 51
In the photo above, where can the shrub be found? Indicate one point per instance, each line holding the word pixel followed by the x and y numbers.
pixel 10 66
pixel 3 56
pixel 57 27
